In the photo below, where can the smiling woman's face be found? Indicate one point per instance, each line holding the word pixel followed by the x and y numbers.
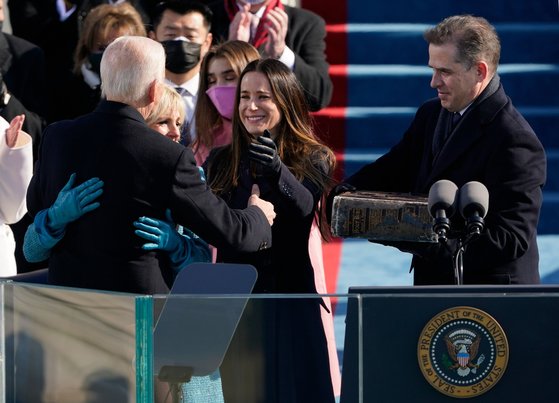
pixel 257 106
pixel 169 125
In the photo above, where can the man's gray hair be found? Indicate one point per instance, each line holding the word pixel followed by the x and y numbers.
pixel 475 39
pixel 128 67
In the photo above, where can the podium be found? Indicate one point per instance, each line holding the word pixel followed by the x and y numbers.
pixel 440 344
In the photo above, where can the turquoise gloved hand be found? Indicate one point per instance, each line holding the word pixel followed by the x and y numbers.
pixel 72 203
pixel 161 234
pixel 182 248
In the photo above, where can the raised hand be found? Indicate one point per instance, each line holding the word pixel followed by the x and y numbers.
pixel 276 25
pixel 72 203
pixel 239 28
pixel 265 153
pixel 15 137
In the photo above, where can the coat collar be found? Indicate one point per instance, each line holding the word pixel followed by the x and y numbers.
pixel 5 54
pixel 118 108
pixel 470 128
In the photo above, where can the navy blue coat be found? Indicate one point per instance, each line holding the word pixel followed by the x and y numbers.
pixel 279 352
pixel 492 144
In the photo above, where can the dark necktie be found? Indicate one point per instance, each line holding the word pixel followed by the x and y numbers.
pixel 455 119
pixel 186 137
pixel 443 135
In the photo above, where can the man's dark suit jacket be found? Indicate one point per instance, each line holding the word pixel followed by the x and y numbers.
pixel 492 144
pixel 144 173
pixel 305 37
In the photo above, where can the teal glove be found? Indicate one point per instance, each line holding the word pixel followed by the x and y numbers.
pixel 163 235
pixel 71 204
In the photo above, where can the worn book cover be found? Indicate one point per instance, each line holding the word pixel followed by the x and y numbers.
pixel 382 216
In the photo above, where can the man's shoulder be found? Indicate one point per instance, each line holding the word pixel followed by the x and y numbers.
pixel 20 45
pixel 298 14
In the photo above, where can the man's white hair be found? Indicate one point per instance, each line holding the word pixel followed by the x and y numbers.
pixel 128 67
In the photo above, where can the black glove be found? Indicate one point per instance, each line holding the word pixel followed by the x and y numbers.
pixel 265 153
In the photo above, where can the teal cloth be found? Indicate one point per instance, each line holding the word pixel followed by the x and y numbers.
pixel 194 249
pixel 40 239
pixel 203 389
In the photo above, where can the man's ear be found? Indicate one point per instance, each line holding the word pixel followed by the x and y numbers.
pixel 154 92
pixel 151 35
pixel 482 70
pixel 206 45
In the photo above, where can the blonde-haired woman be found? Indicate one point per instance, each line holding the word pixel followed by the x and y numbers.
pixel 168 114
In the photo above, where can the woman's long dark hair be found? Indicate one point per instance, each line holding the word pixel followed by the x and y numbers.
pixel 298 147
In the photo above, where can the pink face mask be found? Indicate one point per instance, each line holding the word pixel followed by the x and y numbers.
pixel 223 98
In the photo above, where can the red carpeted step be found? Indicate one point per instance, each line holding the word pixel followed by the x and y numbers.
pixel 330 122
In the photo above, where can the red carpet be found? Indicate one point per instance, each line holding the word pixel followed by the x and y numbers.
pixel 330 122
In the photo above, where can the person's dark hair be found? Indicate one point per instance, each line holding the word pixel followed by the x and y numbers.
pixel 298 147
pixel 181 7
pixel 475 39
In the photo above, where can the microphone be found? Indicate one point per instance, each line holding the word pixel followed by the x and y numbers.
pixel 441 203
pixel 474 203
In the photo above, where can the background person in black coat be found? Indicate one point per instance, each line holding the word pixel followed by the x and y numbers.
pixel 22 82
pixel 492 144
pixel 55 26
pixel 79 91
pixel 143 173
pixel 22 91
pixel 293 35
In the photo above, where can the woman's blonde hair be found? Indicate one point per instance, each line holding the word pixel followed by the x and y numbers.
pixel 169 101
pixel 104 20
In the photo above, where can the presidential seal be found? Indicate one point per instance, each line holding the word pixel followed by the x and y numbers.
pixel 463 352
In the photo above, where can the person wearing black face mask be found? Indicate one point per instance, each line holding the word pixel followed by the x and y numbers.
pixel 183 28
pixel 102 25
pixel 181 55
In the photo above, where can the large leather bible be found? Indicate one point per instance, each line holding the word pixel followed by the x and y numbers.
pixel 382 216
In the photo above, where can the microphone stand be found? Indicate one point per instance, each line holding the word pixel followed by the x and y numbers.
pixel 458 255
pixel 458 261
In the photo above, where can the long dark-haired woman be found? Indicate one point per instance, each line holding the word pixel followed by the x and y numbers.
pixel 279 353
